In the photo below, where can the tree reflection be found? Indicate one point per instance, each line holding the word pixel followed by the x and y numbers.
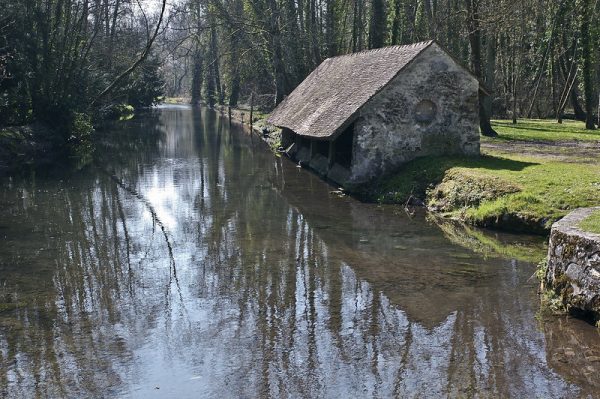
pixel 282 290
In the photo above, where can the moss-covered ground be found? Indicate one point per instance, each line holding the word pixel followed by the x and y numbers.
pixel 510 186
pixel 591 223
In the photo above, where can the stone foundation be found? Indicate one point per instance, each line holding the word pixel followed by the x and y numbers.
pixel 574 264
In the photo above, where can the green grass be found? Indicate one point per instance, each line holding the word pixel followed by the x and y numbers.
pixel 535 192
pixel 591 223
pixel 543 130
pixel 505 189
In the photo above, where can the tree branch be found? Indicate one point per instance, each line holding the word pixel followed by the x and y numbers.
pixel 141 59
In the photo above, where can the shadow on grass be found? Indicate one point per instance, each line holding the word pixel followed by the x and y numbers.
pixel 414 178
pixel 494 163
pixel 548 128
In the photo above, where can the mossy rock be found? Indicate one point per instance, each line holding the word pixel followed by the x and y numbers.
pixel 462 190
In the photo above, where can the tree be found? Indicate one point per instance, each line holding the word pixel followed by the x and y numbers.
pixel 474 34
pixel 377 27
pixel 587 11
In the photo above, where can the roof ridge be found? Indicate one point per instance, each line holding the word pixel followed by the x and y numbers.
pixel 380 49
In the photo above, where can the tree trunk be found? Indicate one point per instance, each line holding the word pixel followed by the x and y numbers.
pixel 587 55
pixel 330 33
pixel 490 71
pixel 397 23
pixel 197 76
pixel 377 27
pixel 475 44
pixel 281 88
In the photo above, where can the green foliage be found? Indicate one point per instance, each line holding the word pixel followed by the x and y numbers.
pixel 512 191
pixel 553 302
pixel 56 57
pixel 80 132
pixel 591 223
pixel 541 270
pixel 118 112
pixel 146 84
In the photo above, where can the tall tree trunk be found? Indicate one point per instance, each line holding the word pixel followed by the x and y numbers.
pixel 490 71
pixel 235 73
pixel 377 27
pixel 197 76
pixel 355 28
pixel 330 32
pixel 578 110
pixel 410 17
pixel 214 64
pixel 588 72
pixel 397 23
pixel 475 44
pixel 431 25
pixel 281 87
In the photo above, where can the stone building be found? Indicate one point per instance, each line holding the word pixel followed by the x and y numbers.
pixel 362 115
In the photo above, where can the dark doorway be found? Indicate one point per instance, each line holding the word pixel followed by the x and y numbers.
pixel 320 147
pixel 302 142
pixel 343 147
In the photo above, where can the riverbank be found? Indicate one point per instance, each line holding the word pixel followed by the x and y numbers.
pixel 571 275
pixel 530 176
pixel 38 146
pixel 26 146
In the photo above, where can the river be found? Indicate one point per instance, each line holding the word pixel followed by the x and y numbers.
pixel 188 261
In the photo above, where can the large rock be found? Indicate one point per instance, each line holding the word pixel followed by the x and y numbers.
pixel 574 263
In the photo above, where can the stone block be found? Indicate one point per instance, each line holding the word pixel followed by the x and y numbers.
pixel 573 269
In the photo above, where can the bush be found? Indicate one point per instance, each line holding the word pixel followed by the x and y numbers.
pixel 79 142
pixel 146 85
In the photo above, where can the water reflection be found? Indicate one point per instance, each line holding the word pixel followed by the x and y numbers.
pixel 191 262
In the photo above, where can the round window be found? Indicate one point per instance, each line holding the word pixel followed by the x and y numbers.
pixel 425 111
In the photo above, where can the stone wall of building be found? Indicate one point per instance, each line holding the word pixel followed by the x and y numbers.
pixel 396 126
pixel 574 263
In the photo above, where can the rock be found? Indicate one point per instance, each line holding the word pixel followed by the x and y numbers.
pixel 573 264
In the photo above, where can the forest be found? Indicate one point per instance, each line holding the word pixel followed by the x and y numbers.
pixel 537 58
pixel 68 64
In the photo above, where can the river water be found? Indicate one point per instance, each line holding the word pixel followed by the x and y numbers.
pixel 188 261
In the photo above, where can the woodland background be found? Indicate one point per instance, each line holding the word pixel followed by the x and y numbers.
pixel 68 63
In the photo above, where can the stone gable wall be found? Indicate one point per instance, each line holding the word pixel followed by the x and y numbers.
pixel 387 133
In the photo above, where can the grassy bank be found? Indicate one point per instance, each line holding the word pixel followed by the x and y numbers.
pixel 543 130
pixel 527 178
pixel 591 223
